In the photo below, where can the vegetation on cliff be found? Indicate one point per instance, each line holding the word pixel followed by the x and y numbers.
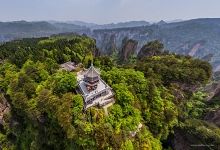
pixel 156 92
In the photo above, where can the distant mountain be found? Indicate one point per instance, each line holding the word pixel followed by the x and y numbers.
pixel 198 37
pixel 66 27
pixel 173 21
pixel 122 25
pixel 161 22
pixel 111 25
pixel 24 29
pixel 83 24
pixel 21 29
pixel 23 26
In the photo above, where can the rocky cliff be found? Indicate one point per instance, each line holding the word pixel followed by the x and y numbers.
pixel 4 108
pixel 214 117
pixel 128 49
pixel 199 38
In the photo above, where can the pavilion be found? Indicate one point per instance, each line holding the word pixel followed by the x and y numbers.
pixel 94 90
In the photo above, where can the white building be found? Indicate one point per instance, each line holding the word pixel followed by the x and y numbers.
pixel 94 90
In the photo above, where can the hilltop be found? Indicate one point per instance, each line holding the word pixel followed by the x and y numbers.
pixel 159 99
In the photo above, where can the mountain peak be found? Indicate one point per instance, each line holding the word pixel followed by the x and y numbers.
pixel 161 22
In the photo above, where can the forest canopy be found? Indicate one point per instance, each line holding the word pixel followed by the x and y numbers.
pixel 47 113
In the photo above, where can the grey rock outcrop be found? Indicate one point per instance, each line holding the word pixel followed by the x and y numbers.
pixel 4 108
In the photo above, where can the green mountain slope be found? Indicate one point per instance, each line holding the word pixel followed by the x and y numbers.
pixel 157 96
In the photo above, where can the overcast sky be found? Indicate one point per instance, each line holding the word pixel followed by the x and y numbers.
pixel 106 11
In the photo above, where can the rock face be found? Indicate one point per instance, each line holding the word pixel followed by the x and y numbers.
pixel 213 97
pixel 195 49
pixel 107 42
pixel 214 117
pixel 4 108
pixel 213 91
pixel 180 141
pixel 198 38
pixel 151 49
pixel 129 47
pixel 107 38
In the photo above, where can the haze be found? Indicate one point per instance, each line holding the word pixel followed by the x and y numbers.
pixel 107 11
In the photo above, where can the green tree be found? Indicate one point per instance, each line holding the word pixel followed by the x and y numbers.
pixel 63 82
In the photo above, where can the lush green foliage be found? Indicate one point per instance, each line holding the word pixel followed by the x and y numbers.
pixel 204 132
pixel 46 113
pixel 171 68
pixel 60 49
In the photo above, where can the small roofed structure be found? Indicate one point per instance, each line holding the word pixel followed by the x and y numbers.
pixel 91 78
pixel 93 89
pixel 68 66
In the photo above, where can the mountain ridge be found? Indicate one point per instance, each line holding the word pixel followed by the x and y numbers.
pixel 197 37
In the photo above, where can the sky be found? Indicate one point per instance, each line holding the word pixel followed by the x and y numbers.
pixel 107 11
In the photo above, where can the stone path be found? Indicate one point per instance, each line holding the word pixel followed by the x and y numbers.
pixel 106 108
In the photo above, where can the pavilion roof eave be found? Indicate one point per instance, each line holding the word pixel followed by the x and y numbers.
pixel 92 72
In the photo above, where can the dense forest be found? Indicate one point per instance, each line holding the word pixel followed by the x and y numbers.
pixel 158 94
